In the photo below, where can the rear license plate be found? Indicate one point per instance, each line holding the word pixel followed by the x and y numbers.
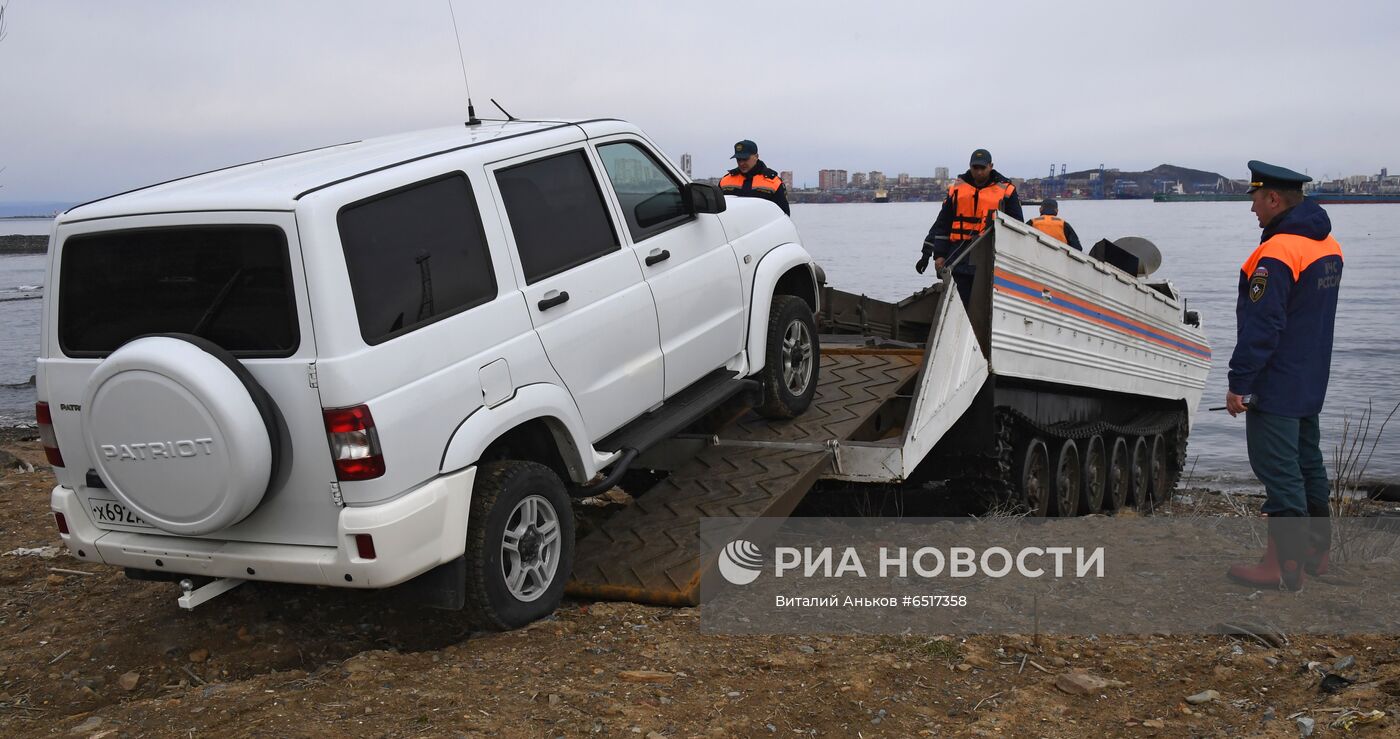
pixel 112 512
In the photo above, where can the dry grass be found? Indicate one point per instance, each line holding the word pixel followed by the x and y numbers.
pixel 1352 540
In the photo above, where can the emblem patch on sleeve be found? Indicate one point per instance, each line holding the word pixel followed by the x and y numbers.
pixel 1257 283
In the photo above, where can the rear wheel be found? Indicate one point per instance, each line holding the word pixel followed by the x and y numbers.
pixel 1120 477
pixel 1094 475
pixel 1068 488
pixel 1139 471
pixel 1033 476
pixel 520 544
pixel 793 358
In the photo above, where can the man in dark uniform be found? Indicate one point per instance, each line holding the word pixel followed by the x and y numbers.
pixel 753 179
pixel 971 198
pixel 1278 374
pixel 1050 223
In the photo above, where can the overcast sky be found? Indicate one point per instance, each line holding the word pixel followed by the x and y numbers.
pixel 97 97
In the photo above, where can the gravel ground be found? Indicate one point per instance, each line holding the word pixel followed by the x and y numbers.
pixel 95 654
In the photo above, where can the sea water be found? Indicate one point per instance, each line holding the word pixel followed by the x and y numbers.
pixel 871 248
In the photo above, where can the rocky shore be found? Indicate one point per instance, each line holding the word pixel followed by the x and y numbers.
pixel 91 653
pixel 21 244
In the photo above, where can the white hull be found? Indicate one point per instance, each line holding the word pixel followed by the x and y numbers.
pixel 1060 316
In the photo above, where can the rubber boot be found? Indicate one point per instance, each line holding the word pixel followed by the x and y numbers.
pixel 1263 574
pixel 1290 535
pixel 1282 563
pixel 1319 539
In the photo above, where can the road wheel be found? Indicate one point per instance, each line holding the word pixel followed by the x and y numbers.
pixel 790 370
pixel 520 544
pixel 1140 468
pixel 1067 480
pixel 1094 475
pixel 1033 476
pixel 1159 474
pixel 1120 475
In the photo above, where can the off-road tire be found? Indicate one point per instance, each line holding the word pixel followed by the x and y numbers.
pixel 779 399
pixel 499 487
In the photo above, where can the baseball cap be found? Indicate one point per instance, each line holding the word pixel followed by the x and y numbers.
pixel 744 149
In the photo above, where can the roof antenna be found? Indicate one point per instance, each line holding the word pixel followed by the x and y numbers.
pixel 509 117
pixel 472 120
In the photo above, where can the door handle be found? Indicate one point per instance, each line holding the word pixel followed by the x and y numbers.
pixel 553 298
pixel 657 256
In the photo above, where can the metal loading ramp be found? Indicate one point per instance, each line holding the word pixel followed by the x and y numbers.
pixel 652 552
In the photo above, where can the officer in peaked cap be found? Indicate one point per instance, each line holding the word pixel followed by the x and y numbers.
pixel 1271 176
pixel 754 179
pixel 1284 315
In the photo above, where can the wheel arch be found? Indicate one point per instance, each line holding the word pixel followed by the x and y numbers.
pixel 786 270
pixel 540 423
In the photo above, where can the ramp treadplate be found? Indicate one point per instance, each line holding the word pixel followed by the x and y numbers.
pixel 651 551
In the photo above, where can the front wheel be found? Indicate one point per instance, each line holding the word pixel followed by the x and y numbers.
pixel 520 544
pixel 793 358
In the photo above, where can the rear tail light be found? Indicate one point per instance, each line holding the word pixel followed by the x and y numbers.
pixel 46 434
pixel 354 443
pixel 62 522
pixel 364 546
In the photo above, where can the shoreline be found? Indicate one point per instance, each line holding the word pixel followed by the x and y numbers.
pixel 22 244
pixel 1375 488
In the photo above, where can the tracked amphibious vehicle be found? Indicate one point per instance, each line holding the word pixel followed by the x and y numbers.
pixel 1066 384
pixel 1092 371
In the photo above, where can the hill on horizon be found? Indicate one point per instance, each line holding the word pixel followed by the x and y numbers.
pixel 36 208
pixel 1192 180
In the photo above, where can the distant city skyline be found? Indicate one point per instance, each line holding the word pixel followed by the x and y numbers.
pixel 868 178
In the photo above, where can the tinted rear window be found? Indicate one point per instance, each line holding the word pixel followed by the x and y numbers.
pixel 415 255
pixel 228 284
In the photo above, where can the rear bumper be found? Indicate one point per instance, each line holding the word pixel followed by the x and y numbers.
pixel 412 534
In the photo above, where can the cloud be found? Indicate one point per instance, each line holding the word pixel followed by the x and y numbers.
pixel 103 97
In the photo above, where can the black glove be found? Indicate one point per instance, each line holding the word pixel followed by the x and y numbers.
pixel 922 264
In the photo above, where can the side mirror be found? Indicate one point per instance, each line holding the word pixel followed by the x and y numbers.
pixel 1193 318
pixel 659 208
pixel 702 198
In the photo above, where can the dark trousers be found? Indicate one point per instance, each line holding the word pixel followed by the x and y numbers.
pixel 962 277
pixel 1286 456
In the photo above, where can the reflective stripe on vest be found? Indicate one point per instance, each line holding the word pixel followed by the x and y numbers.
pixel 1296 252
pixel 734 183
pixel 765 184
pixel 1051 225
pixel 971 206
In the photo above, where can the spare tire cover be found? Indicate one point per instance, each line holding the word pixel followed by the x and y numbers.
pixel 176 433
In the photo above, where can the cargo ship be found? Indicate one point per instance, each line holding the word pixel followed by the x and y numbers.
pixel 1348 198
pixel 882 196
pixel 1198 197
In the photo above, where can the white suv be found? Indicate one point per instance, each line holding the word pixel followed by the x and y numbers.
pixel 394 359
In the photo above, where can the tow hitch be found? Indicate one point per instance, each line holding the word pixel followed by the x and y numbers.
pixel 194 596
